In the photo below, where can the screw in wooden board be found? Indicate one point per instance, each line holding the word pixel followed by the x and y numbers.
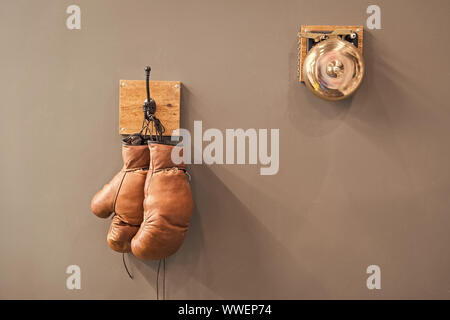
pixel 177 86
pixel 122 129
pixel 357 30
pixel 123 84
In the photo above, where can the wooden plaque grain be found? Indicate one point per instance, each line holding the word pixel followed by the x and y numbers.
pixel 132 96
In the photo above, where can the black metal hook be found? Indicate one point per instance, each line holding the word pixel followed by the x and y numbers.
pixel 151 126
pixel 149 106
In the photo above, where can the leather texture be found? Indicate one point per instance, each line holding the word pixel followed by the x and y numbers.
pixel 124 196
pixel 168 206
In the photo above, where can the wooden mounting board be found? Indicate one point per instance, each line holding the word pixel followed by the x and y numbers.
pixel 311 28
pixel 132 96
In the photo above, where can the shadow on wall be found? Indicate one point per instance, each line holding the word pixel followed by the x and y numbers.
pixel 370 110
pixel 228 253
pixel 382 103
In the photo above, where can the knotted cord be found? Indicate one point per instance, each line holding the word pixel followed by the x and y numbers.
pixel 152 128
pixel 125 265
pixel 164 280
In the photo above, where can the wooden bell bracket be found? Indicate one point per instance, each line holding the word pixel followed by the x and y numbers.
pixel 310 35
pixel 133 94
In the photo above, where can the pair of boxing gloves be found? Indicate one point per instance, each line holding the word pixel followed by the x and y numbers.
pixel 151 200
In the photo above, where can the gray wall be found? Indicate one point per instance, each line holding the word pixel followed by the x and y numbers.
pixel 363 181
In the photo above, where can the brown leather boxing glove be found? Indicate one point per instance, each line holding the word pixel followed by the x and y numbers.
pixel 124 196
pixel 168 206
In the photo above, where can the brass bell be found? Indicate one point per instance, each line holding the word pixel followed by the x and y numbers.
pixel 333 69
